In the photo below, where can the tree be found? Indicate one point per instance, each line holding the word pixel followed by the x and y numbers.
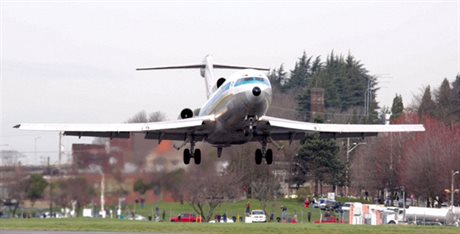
pixel 429 159
pixel 445 109
pixel 140 187
pixel 74 189
pixel 427 106
pixel 347 86
pixel 456 97
pixel 264 186
pixel 14 178
pixel 301 74
pixel 278 78
pixel 397 108
pixel 207 188
pixel 142 117
pixel 35 187
pixel 318 158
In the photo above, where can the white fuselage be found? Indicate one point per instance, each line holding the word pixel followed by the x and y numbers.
pixel 246 93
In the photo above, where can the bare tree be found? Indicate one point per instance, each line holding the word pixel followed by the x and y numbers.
pixel 430 158
pixel 74 189
pixel 207 188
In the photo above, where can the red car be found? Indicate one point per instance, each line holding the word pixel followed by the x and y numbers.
pixel 186 218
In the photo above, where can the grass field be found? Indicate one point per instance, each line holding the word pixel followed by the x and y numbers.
pixel 230 208
pixel 112 225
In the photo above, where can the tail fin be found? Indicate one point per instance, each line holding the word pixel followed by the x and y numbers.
pixel 206 70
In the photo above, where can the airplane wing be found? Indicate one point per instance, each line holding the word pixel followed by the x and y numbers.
pixel 166 130
pixel 284 129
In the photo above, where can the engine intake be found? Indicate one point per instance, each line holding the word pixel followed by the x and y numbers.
pixel 220 81
pixel 186 113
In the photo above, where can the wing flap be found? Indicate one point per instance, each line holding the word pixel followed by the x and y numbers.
pixel 168 130
pixel 285 129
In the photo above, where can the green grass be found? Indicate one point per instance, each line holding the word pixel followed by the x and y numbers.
pixel 230 208
pixel 112 225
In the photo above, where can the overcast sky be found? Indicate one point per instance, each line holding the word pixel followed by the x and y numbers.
pixel 75 62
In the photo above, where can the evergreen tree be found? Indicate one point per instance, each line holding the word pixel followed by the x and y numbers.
pixel 35 187
pixel 427 106
pixel 456 97
pixel 397 108
pixel 278 77
pixel 140 187
pixel 346 83
pixel 318 158
pixel 445 103
pixel 301 75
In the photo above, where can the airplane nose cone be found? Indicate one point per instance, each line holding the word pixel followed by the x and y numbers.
pixel 256 91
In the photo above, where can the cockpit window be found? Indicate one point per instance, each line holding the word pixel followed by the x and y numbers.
pixel 251 80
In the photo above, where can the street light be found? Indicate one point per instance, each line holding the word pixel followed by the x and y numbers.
pixel 99 170
pixel 347 171
pixel 35 146
pixel 452 191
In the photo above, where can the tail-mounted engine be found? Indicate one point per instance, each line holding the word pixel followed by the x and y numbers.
pixel 220 81
pixel 186 113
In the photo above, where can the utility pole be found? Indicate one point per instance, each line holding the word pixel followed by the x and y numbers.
pixel 35 146
pixel 452 190
pixel 60 149
pixel 347 166
pixel 50 173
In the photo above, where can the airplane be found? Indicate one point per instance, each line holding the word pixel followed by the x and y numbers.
pixel 234 113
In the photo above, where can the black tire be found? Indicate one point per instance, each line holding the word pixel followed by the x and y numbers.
pixel 197 156
pixel 187 156
pixel 258 156
pixel 269 156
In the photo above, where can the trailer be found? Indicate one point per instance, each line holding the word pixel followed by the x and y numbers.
pixel 429 216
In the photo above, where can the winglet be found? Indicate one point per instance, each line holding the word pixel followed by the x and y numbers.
pixel 17 126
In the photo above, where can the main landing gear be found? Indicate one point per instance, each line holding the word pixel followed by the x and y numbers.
pixel 192 153
pixel 264 153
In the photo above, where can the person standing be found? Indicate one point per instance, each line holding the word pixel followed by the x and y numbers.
pixel 248 209
pixel 283 212
pixel 307 203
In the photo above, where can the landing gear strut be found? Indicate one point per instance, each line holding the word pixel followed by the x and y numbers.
pixel 192 153
pixel 250 130
pixel 264 153
pixel 219 152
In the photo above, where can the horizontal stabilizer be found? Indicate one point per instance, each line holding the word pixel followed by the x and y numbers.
pixel 216 66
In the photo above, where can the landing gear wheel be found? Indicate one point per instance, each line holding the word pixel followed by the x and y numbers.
pixel 197 156
pixel 269 156
pixel 259 156
pixel 187 156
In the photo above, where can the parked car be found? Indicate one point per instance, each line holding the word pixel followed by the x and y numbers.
pixel 185 218
pixel 325 204
pixel 136 217
pixel 258 216
pixel 46 215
